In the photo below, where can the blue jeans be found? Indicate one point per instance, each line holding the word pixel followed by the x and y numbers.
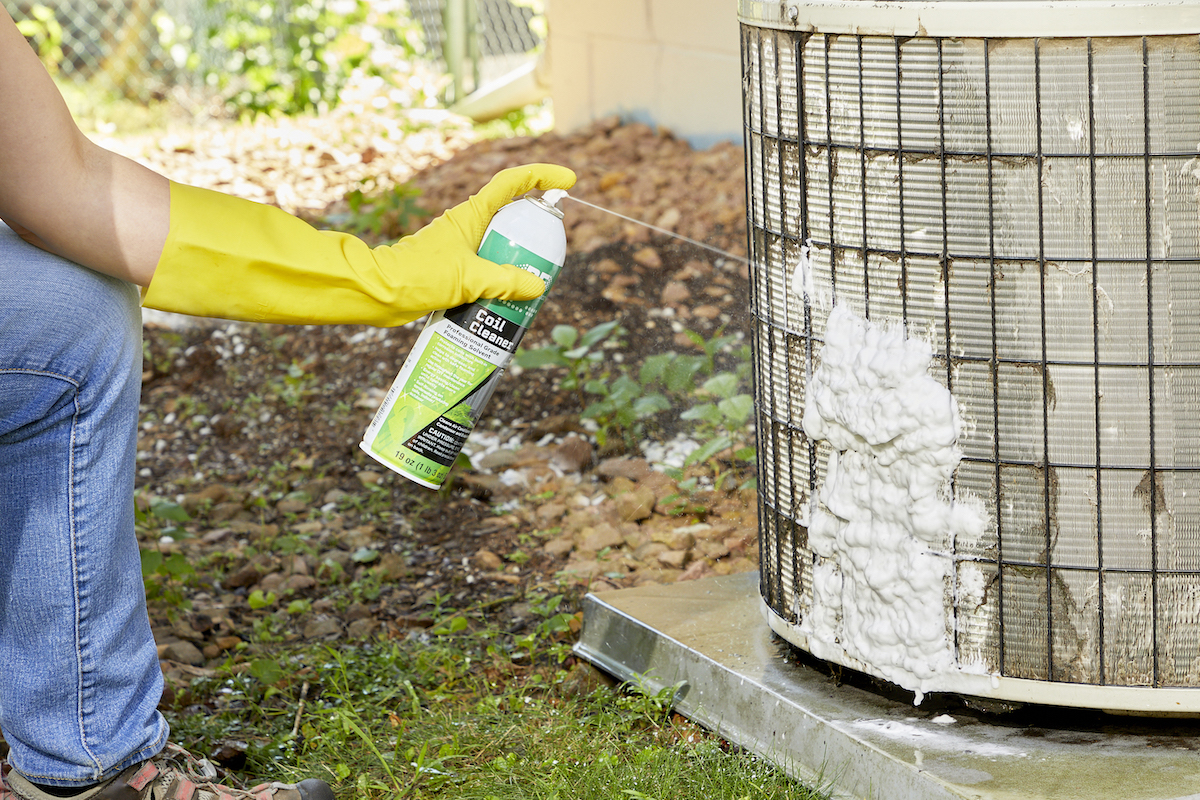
pixel 79 675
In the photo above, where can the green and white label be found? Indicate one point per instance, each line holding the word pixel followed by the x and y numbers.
pixel 502 250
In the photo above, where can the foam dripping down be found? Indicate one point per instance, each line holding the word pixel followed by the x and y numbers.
pixel 883 522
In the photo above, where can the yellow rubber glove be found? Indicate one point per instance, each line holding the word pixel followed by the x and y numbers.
pixel 236 259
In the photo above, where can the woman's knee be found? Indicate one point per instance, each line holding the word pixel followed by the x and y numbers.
pixel 61 318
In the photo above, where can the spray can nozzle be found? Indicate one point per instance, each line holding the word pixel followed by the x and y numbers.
pixel 550 200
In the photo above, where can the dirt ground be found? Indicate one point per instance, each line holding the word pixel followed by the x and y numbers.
pixel 248 459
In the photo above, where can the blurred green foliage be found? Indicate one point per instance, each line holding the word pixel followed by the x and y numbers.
pixel 293 56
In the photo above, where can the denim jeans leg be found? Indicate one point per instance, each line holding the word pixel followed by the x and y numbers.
pixel 79 675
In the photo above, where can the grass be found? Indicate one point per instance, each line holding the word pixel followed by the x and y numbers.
pixel 469 713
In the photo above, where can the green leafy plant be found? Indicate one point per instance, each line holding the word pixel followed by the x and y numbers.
pixel 628 404
pixel 722 425
pixel 652 705
pixel 381 212
pixel 266 57
pixel 295 384
pixel 623 409
pixel 164 573
pixel 578 353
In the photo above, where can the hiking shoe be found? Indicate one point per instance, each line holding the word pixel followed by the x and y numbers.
pixel 173 774
pixel 5 792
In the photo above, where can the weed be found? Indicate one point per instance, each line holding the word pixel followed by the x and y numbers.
pixel 623 410
pixel 295 385
pixel 164 573
pixel 383 213
pixel 628 404
pixel 455 715
pixel 577 353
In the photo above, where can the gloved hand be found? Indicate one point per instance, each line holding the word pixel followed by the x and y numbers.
pixel 236 259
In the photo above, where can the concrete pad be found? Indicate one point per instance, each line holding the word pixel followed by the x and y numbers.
pixel 859 738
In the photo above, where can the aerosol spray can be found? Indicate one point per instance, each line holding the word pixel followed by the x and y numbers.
pixel 461 353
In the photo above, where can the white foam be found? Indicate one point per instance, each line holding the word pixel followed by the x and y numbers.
pixel 883 523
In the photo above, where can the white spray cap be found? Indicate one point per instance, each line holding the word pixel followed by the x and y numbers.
pixel 553 196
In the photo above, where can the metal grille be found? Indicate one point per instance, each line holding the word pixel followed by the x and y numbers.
pixel 500 33
pixel 1031 207
pixel 119 44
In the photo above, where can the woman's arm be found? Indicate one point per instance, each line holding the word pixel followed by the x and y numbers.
pixel 61 191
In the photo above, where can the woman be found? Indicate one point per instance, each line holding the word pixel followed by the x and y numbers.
pixel 79 674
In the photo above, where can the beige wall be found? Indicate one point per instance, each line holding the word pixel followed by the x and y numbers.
pixel 673 63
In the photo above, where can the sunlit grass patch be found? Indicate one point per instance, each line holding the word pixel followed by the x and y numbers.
pixel 472 714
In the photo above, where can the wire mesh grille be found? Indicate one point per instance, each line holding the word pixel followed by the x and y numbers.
pixel 1032 208
pixel 121 43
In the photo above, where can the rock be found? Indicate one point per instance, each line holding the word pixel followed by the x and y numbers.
pixel 692 270
pixel 551 512
pixel 738 544
pixel 321 627
pixel 358 611
pixel 607 266
pixel 573 455
pixel 334 496
pixel 712 550
pixel 487 561
pixel 669 219
pixel 362 536
pixel 230 754
pixel 674 293
pixel 584 569
pixel 369 478
pixel 675 559
pixel 631 469
pixel 701 530
pixel 618 486
pixel 675 539
pixel 648 257
pixel 272 582
pixel 600 537
pixel 556 424
pixel 183 652
pixel 637 504
pixel 340 558
pixel 559 547
pixel 697 570
pixel 248 575
pixel 497 459
pixel 583 679
pixel 610 179
pixel 254 530
pixel 482 486
pixel 650 551
pixel 208 496
pixel 661 484
pixel 318 487
pixel 392 567
pixel 361 629
pixel 216 536
pixel 226 511
pixel 294 503
pixel 300 583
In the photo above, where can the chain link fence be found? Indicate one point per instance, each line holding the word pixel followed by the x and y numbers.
pixel 143 49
